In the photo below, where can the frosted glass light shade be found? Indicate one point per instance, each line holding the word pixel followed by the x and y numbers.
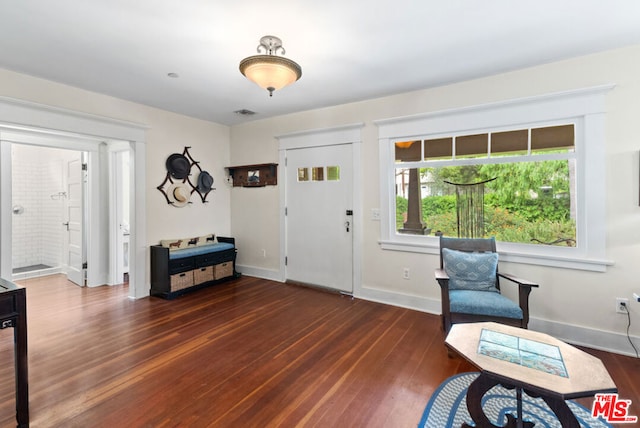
pixel 270 72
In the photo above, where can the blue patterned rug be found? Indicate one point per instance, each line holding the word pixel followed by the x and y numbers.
pixel 447 407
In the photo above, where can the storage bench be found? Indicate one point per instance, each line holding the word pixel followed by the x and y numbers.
pixel 176 272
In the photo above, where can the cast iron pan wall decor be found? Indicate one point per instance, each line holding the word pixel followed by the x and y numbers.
pixel 178 186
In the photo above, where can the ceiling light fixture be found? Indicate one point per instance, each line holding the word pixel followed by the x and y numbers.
pixel 268 70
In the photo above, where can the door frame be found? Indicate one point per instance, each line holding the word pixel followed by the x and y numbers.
pixel 347 134
pixel 115 184
pixel 98 131
pixel 83 148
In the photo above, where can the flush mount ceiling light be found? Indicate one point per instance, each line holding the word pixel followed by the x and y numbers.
pixel 268 70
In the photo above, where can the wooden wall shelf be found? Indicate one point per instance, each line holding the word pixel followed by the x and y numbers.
pixel 258 175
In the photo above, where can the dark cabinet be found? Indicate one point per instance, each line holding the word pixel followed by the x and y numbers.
pixel 176 272
pixel 13 313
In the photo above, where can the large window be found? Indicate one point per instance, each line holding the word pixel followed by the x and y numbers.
pixel 517 185
pixel 529 172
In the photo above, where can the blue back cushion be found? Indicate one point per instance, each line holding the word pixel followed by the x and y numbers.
pixel 470 271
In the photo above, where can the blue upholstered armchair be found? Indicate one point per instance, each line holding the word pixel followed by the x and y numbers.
pixel 470 285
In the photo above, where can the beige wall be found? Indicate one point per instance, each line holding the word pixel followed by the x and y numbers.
pixel 168 133
pixel 576 305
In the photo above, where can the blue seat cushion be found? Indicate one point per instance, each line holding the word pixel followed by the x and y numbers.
pixel 470 271
pixel 200 249
pixel 483 303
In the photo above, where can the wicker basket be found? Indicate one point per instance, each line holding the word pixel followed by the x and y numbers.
pixel 223 270
pixel 203 274
pixel 182 280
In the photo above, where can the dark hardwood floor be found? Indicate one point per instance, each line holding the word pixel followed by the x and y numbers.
pixel 247 353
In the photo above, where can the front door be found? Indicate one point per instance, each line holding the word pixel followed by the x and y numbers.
pixel 319 220
pixel 74 222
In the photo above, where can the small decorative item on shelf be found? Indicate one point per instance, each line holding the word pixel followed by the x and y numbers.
pixel 178 186
pixel 259 175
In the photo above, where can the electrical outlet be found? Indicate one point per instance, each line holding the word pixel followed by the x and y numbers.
pixel 636 297
pixel 622 305
pixel 405 273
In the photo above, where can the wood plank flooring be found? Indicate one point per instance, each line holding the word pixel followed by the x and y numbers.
pixel 247 353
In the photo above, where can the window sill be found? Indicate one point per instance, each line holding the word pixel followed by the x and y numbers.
pixel 552 260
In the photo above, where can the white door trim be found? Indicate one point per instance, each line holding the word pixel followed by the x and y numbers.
pixel 25 116
pixel 116 238
pixel 347 134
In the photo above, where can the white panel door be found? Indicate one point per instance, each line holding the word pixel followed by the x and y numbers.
pixel 75 217
pixel 121 202
pixel 319 224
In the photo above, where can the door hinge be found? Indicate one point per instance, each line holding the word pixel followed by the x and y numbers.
pixel 286 260
pixel 286 211
pixel 84 265
pixel 84 167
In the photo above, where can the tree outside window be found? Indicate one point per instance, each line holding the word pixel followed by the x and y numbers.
pixel 531 195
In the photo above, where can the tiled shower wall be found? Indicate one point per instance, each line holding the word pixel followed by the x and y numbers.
pixel 38 184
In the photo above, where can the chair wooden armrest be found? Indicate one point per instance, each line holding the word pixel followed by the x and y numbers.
pixel 524 288
pixel 441 274
pixel 443 281
pixel 517 280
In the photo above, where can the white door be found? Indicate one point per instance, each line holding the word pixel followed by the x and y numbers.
pixel 121 202
pixel 319 220
pixel 75 216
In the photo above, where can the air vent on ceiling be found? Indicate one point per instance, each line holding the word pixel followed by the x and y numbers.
pixel 245 112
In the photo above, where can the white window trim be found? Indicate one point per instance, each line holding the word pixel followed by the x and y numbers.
pixel 584 107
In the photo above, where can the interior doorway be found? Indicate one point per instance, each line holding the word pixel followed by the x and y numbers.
pixel 47 212
pixel 51 126
pixel 77 168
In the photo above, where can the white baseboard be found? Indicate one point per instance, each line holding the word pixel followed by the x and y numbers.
pixel 417 303
pixel 36 274
pixel 584 336
pixel 576 335
pixel 270 274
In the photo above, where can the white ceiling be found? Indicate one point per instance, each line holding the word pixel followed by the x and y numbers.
pixel 349 50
